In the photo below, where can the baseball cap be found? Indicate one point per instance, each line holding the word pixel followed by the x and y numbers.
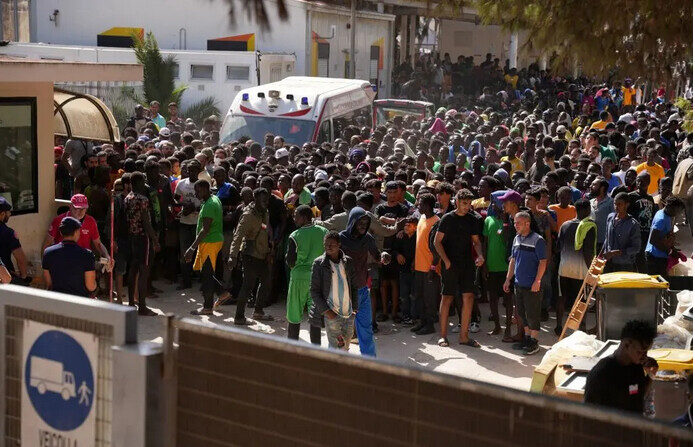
pixel 69 225
pixel 4 204
pixel 79 201
pixel 511 196
pixel 282 153
pixel 164 132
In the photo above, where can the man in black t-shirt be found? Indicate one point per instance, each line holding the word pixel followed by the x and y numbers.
pixel 457 234
pixel 642 208
pixel 388 273
pixel 619 381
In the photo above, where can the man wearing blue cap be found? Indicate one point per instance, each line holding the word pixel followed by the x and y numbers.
pixel 67 267
pixel 10 247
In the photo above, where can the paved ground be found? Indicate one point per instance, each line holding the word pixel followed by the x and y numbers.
pixel 495 362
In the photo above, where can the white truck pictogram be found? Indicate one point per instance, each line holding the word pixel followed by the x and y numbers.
pixel 48 375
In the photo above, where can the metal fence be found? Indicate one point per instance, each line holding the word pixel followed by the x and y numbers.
pixel 241 388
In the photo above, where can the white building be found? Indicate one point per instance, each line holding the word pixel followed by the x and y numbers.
pixel 220 74
pixel 317 34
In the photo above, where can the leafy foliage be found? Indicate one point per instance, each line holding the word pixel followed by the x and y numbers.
pixel 201 110
pixel 158 71
pixel 255 9
pixel 687 107
pixel 647 38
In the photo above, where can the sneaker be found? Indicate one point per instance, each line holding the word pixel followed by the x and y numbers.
pixel 146 312
pixel 532 346
pixel 425 330
pixel 262 316
pixel 474 327
pixel 417 327
pixel 407 321
pixel 545 316
pixel 521 345
pixel 201 311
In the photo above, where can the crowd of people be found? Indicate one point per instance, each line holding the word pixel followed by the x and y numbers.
pixel 503 200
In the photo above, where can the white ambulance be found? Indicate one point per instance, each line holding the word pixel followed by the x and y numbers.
pixel 300 109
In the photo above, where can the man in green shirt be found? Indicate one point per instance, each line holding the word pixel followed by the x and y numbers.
pixel 304 246
pixel 208 242
pixel 496 268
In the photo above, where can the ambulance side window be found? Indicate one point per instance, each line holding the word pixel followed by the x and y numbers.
pixel 324 132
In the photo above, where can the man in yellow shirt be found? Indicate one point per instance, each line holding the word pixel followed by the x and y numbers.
pixel 512 78
pixel 656 171
pixel 517 164
pixel 605 119
pixel 629 93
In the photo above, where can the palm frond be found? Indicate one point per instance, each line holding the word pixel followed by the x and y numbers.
pixel 202 109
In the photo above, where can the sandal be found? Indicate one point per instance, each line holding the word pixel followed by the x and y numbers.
pixel 222 299
pixel 443 342
pixel 472 343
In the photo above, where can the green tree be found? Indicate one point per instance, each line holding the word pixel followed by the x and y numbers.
pixel 158 72
pixel 158 81
pixel 202 109
pixel 646 38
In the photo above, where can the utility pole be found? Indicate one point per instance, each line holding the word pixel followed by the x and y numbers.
pixel 353 10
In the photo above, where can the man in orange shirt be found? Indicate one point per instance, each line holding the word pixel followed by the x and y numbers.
pixel 564 210
pixel 426 284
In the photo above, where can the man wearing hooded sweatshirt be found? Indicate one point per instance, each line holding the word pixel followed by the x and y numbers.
pixel 358 244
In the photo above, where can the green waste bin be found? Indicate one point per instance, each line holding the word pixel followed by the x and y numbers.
pixel 625 296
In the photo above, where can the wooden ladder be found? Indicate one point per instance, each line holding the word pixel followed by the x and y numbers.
pixel 585 297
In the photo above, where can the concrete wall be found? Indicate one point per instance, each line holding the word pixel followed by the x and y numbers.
pixel 79 22
pixel 31 228
pixel 371 29
pixel 468 39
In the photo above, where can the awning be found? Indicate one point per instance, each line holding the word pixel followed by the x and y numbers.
pixel 85 117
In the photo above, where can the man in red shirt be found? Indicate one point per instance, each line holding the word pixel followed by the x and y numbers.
pixel 89 234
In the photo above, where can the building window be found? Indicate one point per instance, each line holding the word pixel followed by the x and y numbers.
pixel 324 51
pixel 201 72
pixel 18 154
pixel 176 70
pixel 237 72
pixel 374 64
